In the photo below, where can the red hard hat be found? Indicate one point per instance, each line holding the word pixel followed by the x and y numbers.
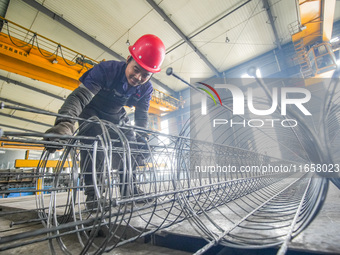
pixel 149 52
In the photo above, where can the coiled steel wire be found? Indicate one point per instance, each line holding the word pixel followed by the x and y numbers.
pixel 242 209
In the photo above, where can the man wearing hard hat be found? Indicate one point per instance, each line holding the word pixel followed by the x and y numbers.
pixel 109 86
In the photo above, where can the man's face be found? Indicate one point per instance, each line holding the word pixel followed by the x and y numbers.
pixel 135 74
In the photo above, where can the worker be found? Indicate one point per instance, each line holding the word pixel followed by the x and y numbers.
pixel 103 92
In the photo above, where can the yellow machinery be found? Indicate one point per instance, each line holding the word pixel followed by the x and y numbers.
pixel 311 41
pixel 27 53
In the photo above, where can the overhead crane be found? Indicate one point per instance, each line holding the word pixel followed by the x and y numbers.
pixel 311 39
pixel 43 59
pixel 40 58
pixel 218 207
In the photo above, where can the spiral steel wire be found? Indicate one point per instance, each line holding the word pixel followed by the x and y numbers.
pixel 242 209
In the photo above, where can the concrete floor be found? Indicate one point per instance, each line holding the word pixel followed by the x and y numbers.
pixel 131 248
pixel 321 236
pixel 72 243
pixel 140 247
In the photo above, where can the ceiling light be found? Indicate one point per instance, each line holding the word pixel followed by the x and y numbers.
pixel 335 39
pixel 128 36
pixel 227 40
pixel 163 109
pixel 258 74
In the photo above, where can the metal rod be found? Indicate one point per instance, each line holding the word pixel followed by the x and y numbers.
pixel 140 188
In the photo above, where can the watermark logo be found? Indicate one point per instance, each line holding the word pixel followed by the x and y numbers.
pixel 204 104
pixel 239 101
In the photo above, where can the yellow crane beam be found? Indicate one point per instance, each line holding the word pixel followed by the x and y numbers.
pixel 315 30
pixel 21 163
pixel 328 19
pixel 29 61
pixel 24 58
pixel 13 145
pixel 316 21
pixel 310 28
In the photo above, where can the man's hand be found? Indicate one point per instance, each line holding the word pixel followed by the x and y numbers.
pixel 62 128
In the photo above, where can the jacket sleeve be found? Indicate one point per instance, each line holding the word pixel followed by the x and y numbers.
pixel 74 104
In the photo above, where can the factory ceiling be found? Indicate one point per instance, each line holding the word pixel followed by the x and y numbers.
pixel 202 38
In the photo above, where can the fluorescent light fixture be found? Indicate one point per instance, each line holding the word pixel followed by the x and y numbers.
pixel 258 74
pixel 335 39
pixel 163 109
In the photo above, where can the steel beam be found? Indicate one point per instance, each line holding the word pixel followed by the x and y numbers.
pixel 18 128
pixel 9 80
pixel 20 104
pixel 183 36
pixel 78 31
pixel 3 9
pixel 211 24
pixel 24 119
pixel 272 23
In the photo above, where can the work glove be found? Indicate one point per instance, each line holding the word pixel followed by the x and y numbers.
pixel 72 107
pixel 62 128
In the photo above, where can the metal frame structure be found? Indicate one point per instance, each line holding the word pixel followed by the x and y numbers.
pixel 242 209
pixel 272 204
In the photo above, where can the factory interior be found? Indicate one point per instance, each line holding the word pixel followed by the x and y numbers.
pixel 241 154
